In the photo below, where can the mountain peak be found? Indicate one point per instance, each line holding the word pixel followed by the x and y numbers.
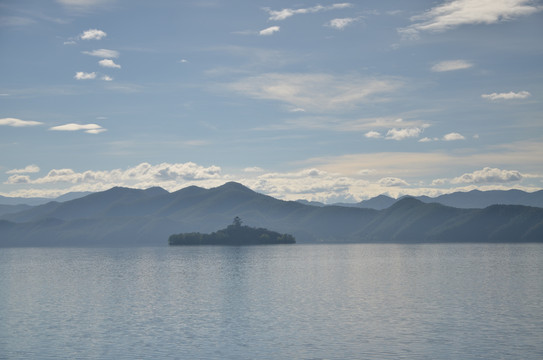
pixel 155 190
pixel 406 203
pixel 232 185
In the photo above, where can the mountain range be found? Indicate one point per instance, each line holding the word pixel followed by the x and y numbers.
pixel 133 217
pixel 474 199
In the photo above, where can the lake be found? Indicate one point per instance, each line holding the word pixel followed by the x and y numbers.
pixel 448 301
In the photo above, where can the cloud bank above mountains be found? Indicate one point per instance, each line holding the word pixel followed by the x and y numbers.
pixel 310 183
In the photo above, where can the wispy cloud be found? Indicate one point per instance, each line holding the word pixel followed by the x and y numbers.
pixel 16 21
pixel 369 126
pixel 107 78
pixel 488 175
pixel 507 96
pixel 269 31
pixel 455 13
pixel 30 169
pixel 412 166
pixel 103 53
pixel 451 65
pixel 93 34
pixel 13 122
pixel 83 6
pixel 254 169
pixel 109 64
pixel 278 15
pixel 80 75
pixel 341 23
pixel 315 92
pixel 88 128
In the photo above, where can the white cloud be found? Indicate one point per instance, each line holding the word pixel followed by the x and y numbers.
pixel 373 134
pixel 142 175
pixel 439 182
pixel 92 34
pixel 18 179
pixel 30 169
pixel 269 31
pixel 70 42
pixel 80 75
pixel 392 181
pixel 183 61
pixel 453 136
pixel 88 128
pixel 107 78
pixel 342 23
pixel 315 92
pixel 426 139
pixel 103 53
pixel 455 13
pixel 278 15
pixel 491 175
pixel 109 63
pixel 312 183
pixel 451 65
pixel 401 134
pixel 507 96
pixel 18 122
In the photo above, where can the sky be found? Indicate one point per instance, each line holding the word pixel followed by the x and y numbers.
pixel 320 100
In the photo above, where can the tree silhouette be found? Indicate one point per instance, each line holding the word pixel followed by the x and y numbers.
pixel 237 221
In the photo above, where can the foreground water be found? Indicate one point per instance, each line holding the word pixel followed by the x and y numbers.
pixel 455 301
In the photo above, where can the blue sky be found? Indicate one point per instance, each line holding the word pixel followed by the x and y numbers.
pixel 329 101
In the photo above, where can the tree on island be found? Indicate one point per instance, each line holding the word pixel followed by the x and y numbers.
pixel 237 222
pixel 234 234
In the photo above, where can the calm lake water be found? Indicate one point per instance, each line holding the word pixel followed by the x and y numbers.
pixel 457 301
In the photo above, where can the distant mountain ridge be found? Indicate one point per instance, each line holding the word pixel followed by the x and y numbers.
pixel 4 200
pixel 133 217
pixel 474 199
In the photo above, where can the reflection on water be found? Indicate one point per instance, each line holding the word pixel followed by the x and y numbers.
pixel 273 302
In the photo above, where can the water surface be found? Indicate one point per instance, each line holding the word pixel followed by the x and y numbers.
pixel 453 301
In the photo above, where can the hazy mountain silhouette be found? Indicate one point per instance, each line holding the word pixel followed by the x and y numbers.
pixel 378 203
pixel 4 200
pixel 132 217
pixel 8 209
pixel 474 199
pixel 481 199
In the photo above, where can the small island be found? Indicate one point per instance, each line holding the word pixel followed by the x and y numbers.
pixel 235 234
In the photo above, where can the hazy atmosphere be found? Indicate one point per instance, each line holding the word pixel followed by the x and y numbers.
pixel 317 100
